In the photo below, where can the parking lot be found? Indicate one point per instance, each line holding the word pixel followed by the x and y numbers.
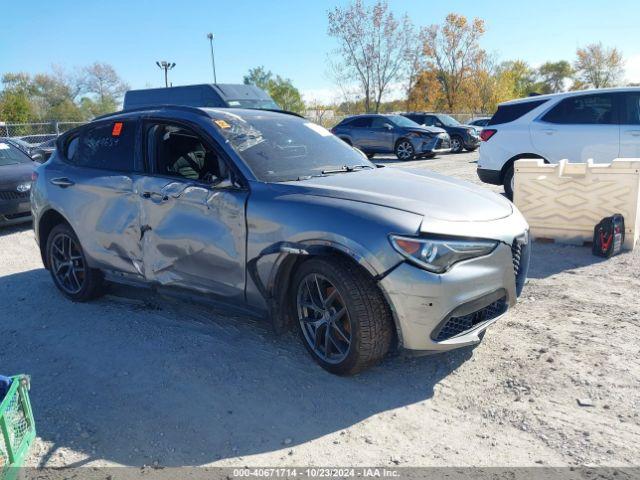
pixel 139 379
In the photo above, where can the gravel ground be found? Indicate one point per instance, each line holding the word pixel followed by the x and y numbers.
pixel 134 378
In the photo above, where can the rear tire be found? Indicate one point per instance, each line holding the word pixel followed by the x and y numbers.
pixel 68 266
pixel 507 182
pixel 347 303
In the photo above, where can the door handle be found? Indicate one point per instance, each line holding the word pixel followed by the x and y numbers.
pixel 163 198
pixel 634 133
pixel 549 131
pixel 62 182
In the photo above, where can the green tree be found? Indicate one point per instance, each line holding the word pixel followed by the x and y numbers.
pixel 553 76
pixel 520 77
pixel 280 89
pixel 15 107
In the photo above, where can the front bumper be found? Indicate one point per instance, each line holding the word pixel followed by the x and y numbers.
pixel 471 142
pixel 447 311
pixel 441 143
pixel 14 207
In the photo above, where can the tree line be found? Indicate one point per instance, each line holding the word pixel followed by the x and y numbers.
pixel 60 95
pixel 443 66
pixel 438 67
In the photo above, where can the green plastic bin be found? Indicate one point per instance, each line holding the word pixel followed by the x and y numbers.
pixel 17 428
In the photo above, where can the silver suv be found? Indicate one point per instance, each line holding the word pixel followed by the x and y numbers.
pixel 275 213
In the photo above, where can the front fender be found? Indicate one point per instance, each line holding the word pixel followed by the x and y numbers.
pixel 283 225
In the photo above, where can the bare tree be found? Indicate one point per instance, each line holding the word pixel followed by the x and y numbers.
pixel 373 45
pixel 598 66
pixel 101 80
pixel 452 49
pixel 414 62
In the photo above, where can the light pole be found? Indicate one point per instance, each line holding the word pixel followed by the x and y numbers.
pixel 213 59
pixel 166 66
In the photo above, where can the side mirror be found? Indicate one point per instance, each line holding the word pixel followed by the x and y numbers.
pixel 388 126
pixel 37 157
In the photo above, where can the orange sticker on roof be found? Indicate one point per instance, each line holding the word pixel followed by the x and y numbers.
pixel 117 128
pixel 222 124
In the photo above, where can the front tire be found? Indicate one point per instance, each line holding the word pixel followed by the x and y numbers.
pixel 68 266
pixel 343 320
pixel 404 150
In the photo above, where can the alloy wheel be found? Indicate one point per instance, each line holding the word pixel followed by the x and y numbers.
pixel 404 151
pixel 67 264
pixel 324 319
pixel 456 146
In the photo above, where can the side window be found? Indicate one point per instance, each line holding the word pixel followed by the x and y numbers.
pixel 429 120
pixel 362 122
pixel 107 146
pixel 176 151
pixel 583 110
pixel 631 109
pixel 72 149
pixel 379 122
pixel 419 119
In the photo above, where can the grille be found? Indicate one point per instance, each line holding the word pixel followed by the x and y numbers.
pixel 9 195
pixel 457 325
pixel 13 216
pixel 520 253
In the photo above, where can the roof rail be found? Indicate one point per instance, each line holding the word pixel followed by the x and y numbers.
pixel 196 110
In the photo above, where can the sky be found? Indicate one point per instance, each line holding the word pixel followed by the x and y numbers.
pixel 288 37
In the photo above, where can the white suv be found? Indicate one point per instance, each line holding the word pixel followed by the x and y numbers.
pixel 594 124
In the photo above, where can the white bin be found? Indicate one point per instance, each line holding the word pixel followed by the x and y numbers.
pixel 565 201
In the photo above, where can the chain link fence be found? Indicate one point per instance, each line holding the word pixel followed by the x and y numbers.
pixel 36 133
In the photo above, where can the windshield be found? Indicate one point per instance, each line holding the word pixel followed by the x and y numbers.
pixel 263 104
pixel 401 121
pixel 10 155
pixel 448 121
pixel 284 148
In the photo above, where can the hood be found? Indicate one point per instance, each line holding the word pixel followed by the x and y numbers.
pixel 417 191
pixel 12 175
pixel 426 128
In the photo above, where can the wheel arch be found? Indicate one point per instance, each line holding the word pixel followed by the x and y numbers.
pixel 511 161
pixel 47 221
pixel 279 283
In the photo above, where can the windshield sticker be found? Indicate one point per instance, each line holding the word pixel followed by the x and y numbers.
pixel 4 146
pixel 318 129
pixel 222 124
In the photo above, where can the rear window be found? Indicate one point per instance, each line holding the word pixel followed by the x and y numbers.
pixel 107 146
pixel 509 113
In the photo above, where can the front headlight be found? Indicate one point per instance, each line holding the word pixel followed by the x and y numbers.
pixel 439 254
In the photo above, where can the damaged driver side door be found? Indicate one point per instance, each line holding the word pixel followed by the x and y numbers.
pixel 193 228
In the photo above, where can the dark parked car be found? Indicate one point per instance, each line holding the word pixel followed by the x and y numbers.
pixel 273 212
pixel 392 134
pixel 16 168
pixel 43 151
pixel 205 95
pixel 463 137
